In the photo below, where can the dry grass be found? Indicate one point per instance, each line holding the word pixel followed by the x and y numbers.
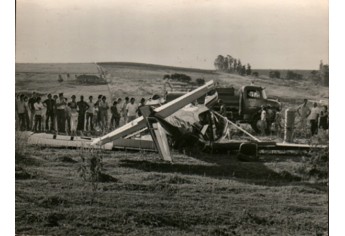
pixel 193 196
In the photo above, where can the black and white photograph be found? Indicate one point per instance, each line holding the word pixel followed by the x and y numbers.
pixel 177 117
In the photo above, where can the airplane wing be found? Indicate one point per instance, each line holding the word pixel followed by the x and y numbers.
pixel 163 112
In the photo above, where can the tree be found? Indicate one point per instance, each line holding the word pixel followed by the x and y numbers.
pixel 166 76
pixel 230 63
pixel 243 70
pixel 325 75
pixel 239 66
pixel 225 64
pixel 235 65
pixel 219 62
pixel 293 75
pixel 249 69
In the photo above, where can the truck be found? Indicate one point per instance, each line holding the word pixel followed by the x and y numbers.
pixel 243 105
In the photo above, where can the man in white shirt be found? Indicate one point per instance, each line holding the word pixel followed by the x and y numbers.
pixel 131 110
pixel 38 105
pixel 263 120
pixel 313 118
pixel 304 111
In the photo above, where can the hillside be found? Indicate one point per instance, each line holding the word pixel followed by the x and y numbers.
pixel 144 80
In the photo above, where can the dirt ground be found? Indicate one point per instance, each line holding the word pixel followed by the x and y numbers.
pixel 139 194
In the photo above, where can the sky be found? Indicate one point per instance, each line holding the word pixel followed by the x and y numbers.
pixel 268 34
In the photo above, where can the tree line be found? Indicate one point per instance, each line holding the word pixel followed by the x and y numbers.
pixel 230 64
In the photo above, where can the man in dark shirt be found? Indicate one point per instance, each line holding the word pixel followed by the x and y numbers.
pixel 82 106
pixel 50 105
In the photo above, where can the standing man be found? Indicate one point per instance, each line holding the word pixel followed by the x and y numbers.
pixel 27 110
pixel 263 120
pixel 49 104
pixel 31 103
pixel 89 114
pixel 304 111
pixel 314 117
pixel 323 124
pixel 141 104
pixel 55 97
pixel 131 110
pixel 60 113
pixel 38 114
pixel 103 110
pixel 73 116
pixel 115 118
pixel 119 108
pixel 97 110
pixel 124 110
pixel 21 112
pixel 83 107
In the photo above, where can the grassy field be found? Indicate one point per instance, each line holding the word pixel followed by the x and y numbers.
pixel 208 195
pixel 139 194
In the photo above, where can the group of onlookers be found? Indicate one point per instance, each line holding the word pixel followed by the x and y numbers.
pixel 60 115
pixel 318 117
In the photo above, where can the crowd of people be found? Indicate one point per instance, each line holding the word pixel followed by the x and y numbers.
pixel 60 115
pixel 317 116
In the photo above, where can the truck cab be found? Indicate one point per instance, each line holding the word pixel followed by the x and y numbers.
pixel 244 105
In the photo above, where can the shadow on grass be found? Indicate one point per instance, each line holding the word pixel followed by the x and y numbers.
pixel 252 172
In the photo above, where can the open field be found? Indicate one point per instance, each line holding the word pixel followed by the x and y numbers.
pixel 208 195
pixel 142 195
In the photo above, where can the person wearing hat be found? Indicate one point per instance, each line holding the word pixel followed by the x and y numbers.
pixel 60 113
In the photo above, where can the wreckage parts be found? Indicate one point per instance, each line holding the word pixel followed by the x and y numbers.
pixel 163 112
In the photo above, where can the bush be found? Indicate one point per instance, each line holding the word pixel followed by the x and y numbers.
pixel 200 81
pixel 274 74
pixel 181 77
pixel 292 75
